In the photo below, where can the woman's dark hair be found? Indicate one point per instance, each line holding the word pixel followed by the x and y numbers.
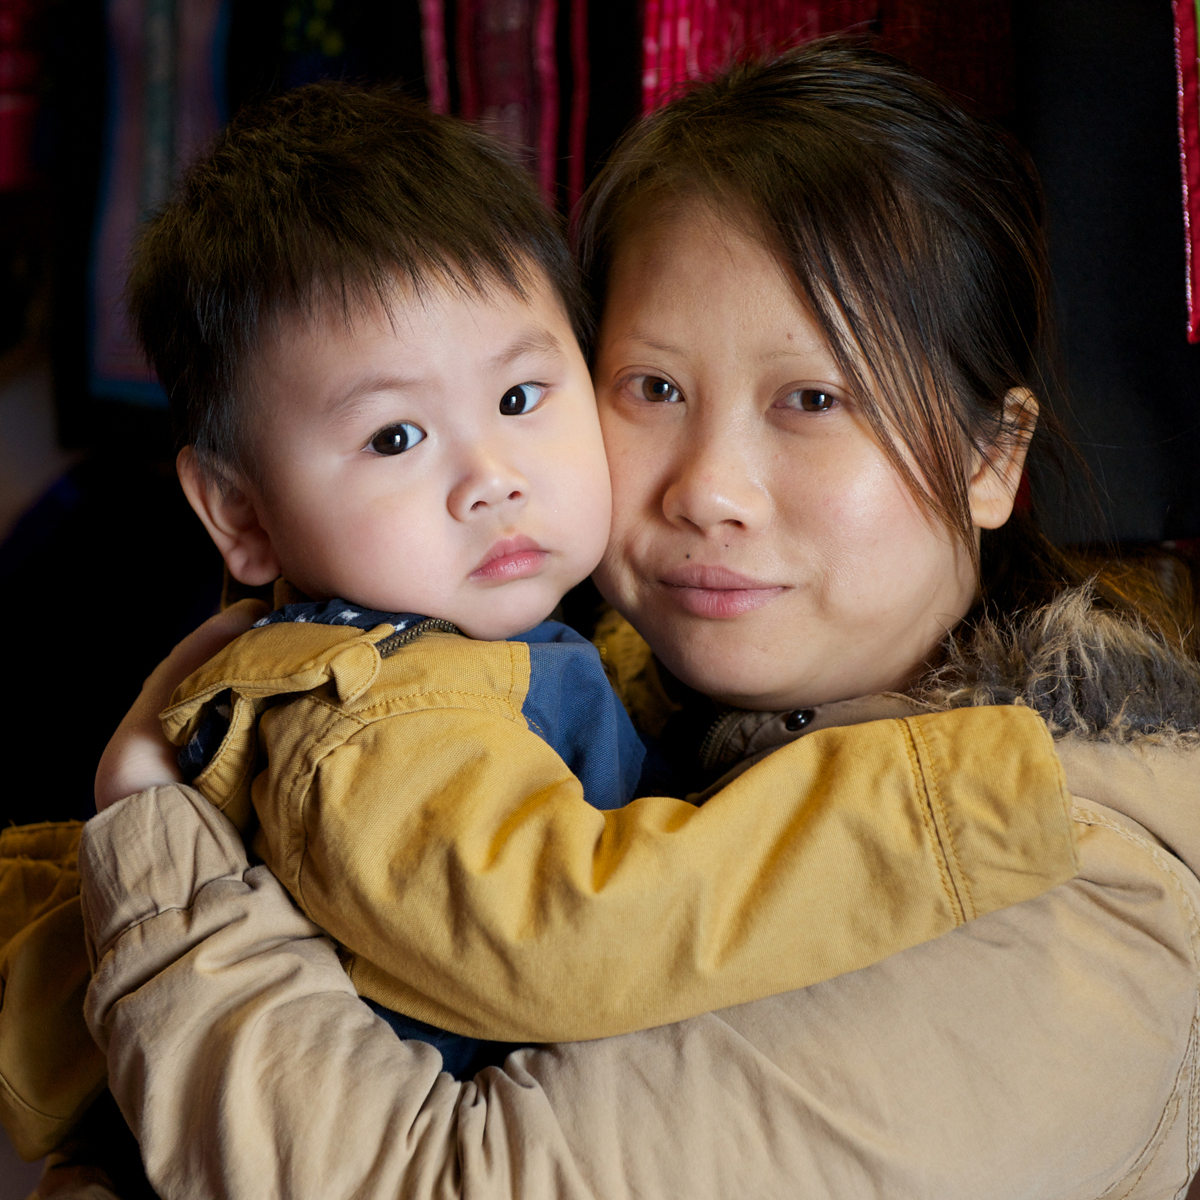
pixel 326 193
pixel 911 229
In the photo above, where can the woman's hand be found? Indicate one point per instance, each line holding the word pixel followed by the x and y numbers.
pixel 139 756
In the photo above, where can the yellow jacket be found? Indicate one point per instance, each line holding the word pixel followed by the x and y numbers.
pixel 411 812
pixel 50 1069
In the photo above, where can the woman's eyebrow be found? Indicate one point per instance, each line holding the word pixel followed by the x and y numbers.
pixel 649 342
pixel 799 351
pixel 531 341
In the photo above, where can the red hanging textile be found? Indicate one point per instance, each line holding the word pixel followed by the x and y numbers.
pixel 580 84
pixel 508 75
pixel 20 77
pixel 506 58
pixel 433 47
pixel 967 48
pixel 690 39
pixel 1187 68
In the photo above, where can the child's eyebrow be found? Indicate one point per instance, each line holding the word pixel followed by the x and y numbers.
pixel 531 341
pixel 344 403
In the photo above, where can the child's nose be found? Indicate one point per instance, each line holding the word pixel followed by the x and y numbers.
pixel 487 485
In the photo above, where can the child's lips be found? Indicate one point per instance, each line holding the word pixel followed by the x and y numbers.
pixel 510 558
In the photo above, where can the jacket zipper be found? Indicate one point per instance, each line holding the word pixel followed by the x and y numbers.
pixel 397 641
pixel 715 738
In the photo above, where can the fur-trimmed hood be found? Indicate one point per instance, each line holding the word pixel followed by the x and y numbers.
pixel 1090 672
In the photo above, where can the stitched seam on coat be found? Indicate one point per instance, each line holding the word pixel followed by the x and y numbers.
pixel 299 831
pixel 505 700
pixel 1193 1096
pixel 1159 1135
pixel 1161 859
pixel 29 1108
pixel 512 678
pixel 930 825
pixel 956 868
pixel 1163 1127
pixel 1194 1112
pixel 372 716
pixel 1089 816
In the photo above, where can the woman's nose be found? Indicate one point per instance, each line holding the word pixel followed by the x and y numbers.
pixel 486 483
pixel 714 487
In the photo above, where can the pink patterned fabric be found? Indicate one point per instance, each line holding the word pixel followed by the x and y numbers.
pixel 508 76
pixel 690 39
pixel 546 70
pixel 581 82
pixel 1187 69
pixel 433 46
pixel 967 48
pixel 506 56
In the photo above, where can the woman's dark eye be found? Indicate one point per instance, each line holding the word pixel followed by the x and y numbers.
pixel 525 397
pixel 813 400
pixel 395 439
pixel 659 390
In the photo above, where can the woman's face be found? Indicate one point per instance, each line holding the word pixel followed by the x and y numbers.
pixel 762 542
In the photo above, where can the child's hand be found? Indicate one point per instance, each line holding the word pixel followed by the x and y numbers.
pixel 139 756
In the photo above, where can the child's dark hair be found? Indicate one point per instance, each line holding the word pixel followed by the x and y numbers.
pixel 912 230
pixel 327 193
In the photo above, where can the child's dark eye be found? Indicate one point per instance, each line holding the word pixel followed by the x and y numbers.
pixel 395 439
pixel 659 390
pixel 523 398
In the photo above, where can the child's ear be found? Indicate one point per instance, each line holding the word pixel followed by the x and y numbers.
pixel 231 517
pixel 996 471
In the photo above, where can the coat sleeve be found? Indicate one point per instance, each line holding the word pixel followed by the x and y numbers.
pixel 484 896
pixel 1042 1051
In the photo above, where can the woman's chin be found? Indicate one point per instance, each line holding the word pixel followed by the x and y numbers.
pixel 741 680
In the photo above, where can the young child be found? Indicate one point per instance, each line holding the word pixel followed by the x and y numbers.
pixel 367 324
pixel 395 417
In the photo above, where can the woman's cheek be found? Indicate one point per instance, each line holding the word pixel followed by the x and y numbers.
pixel 614 576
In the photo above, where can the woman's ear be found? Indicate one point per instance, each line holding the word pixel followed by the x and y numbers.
pixel 231 517
pixel 996 470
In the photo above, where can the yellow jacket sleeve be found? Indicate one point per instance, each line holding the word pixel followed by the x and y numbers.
pixel 412 813
pixel 50 1069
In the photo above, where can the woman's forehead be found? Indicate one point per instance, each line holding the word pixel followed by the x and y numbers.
pixel 695 271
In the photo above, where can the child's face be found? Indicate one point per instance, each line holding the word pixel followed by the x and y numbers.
pixel 445 459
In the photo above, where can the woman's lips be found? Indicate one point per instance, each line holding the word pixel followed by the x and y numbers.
pixel 717 591
pixel 510 558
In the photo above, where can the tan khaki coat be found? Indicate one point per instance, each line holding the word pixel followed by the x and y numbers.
pixel 1049 1050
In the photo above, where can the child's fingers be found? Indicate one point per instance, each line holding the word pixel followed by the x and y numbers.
pixel 139 756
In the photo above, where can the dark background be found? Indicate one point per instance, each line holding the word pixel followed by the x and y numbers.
pixel 108 568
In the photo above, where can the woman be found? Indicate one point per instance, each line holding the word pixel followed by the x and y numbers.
pixel 822 289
